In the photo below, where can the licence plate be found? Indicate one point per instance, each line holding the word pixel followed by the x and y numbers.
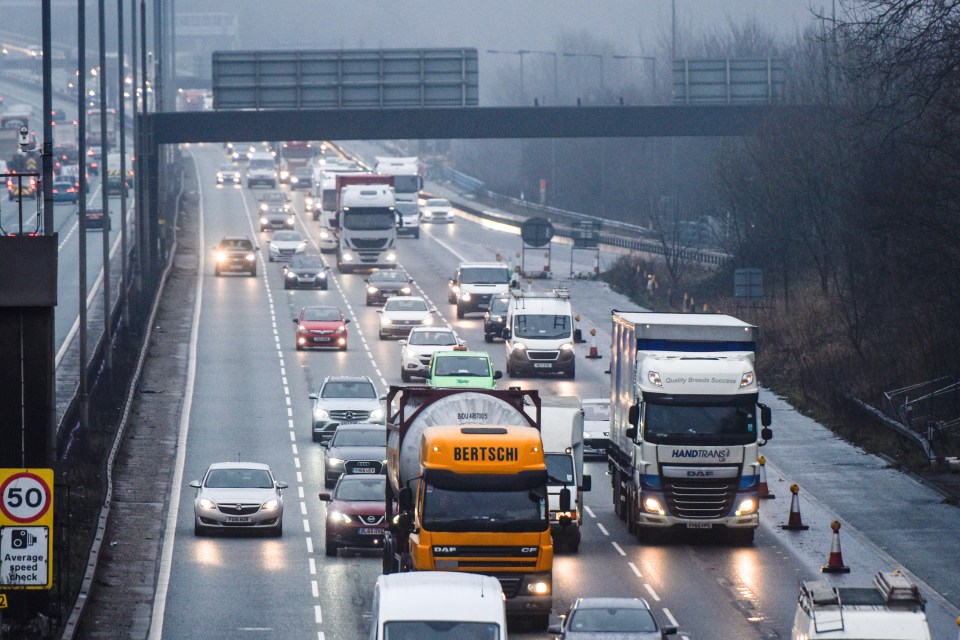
pixel 542 365
pixel 699 525
pixel 388 295
pixel 370 532
pixel 322 339
pixel 364 470
pixel 237 519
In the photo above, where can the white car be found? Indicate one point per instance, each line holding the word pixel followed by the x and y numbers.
pixel 238 495
pixel 596 427
pixel 417 350
pixel 401 314
pixel 228 174
pixel 286 244
pixel 436 210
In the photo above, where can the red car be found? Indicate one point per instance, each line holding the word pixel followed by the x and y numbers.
pixel 321 327
pixel 356 513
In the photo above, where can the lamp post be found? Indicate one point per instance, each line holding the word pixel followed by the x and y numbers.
pixel 653 65
pixel 521 53
pixel 598 56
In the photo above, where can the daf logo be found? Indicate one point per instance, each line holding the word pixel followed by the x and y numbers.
pixel 700 474
pixel 444 549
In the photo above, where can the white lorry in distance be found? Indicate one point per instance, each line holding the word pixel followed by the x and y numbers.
pixel 561 430
pixel 325 203
pixel 407 184
pixel 538 333
pixel 685 425
pixel 438 605
pixel 892 609
pixel 367 228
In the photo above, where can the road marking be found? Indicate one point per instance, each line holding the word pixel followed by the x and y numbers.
pixel 309 545
pixel 653 594
pixel 313 567
pixel 589 512
pixel 294 447
pixel 319 617
pixel 300 492
pixel 617 547
pixel 670 617
pixel 306 526
pixel 296 462
pixel 603 529
pixel 315 588
pixel 299 477
pixel 635 570
pixel 303 508
pixel 293 437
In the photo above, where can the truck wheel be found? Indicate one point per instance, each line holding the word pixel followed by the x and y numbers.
pixel 460 313
pixel 632 514
pixel 405 376
pixel 389 549
pixel 331 549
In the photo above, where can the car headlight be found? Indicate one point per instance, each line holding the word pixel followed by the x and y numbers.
pixel 308 201
pixel 219 176
pixel 372 290
pixel 322 275
pixel 325 235
pixel 652 505
pixel 654 378
pixel 465 296
pixel 263 220
pixel 538 588
pixel 566 346
pixel 384 461
pixel 250 257
pixel 284 174
pixel 385 320
pixel 221 256
pixel 271 504
pixel 391 256
pixel 263 206
pixel 455 289
pixel 341 329
pixel 377 414
pixel 291 274
pixel 301 247
pixel 335 462
pixel 405 290
pixel 207 504
pixel 337 516
pixel 519 346
pixel 746 507
pixel 320 414
pixel 746 379
pixel 497 318
pixel 291 220
pixel 294 179
pixel 428 320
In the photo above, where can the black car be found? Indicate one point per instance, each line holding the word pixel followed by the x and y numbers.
pixel 355 449
pixel 387 283
pixel 96 219
pixel 235 254
pixel 495 318
pixel 305 272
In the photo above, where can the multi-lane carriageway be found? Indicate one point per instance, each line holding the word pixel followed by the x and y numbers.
pixel 246 396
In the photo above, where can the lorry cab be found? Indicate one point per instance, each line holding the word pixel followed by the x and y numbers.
pixel 435 605
pixel 473 284
pixel 367 225
pixel 538 333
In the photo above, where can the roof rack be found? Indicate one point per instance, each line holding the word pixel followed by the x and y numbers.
pixel 897 590
pixel 561 293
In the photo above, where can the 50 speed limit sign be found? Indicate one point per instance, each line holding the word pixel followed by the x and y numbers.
pixel 26 497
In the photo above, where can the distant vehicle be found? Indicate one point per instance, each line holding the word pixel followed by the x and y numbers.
pixel 473 284
pixel 401 314
pixel 273 199
pixel 96 219
pixel 238 495
pixel 596 427
pixel 342 400
pixel 321 327
pixel 285 244
pixel 438 605
pixel 228 174
pixel 409 213
pixel 235 253
pixel 407 183
pixel 495 318
pixel 384 284
pixel 355 449
pixel 277 217
pixel 305 271
pixel 417 350
pixel 262 170
pixel 301 178
pixel 436 210
pixel 25 187
pixel 366 226
pixel 620 618
pixel 94 158
pixel 355 513
pixel 64 190
pixel 461 368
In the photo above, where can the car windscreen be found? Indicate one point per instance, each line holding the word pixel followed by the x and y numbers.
pixel 438 338
pixel 359 438
pixel 262 164
pixel 484 275
pixel 543 326
pixel 321 314
pixel 717 425
pixel 440 630
pixel 438 202
pixel 369 219
pixel 236 245
pixel 287 236
pixel 388 276
pixel 596 412
pixel 559 468
pixel 227 167
pixel 498 306
pixel 407 208
pixel 399 304
pixel 239 479
pixel 462 366
pixel 611 620
pixel 348 389
pixel 353 488
pixel 306 262
pixel 273 196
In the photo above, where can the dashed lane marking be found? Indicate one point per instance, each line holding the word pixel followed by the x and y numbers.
pixel 653 594
pixel 603 529
pixel 618 548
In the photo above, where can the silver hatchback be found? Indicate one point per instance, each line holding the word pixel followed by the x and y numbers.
pixel 238 495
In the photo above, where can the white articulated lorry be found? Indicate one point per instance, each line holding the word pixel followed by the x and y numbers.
pixel 407 183
pixel 366 223
pixel 685 423
pixel 561 430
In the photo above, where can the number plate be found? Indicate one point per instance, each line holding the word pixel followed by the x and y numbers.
pixel 699 525
pixel 364 470
pixel 370 532
pixel 543 365
pixel 237 519
pixel 388 295
pixel 322 339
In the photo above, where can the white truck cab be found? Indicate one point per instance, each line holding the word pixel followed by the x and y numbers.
pixel 367 228
pixel 538 334
pixel 407 184
pixel 438 605
pixel 892 609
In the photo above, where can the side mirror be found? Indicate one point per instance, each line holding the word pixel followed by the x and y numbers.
pixel 506 334
pixel 633 415
pixel 406 499
pixel 765 418
pixel 669 631
pixel 383 399
pixel 296 321
pixel 555 628
pixel 497 374
pixel 766 433
pixel 282 485
pixel 346 321
pixel 325 444
pixel 565 499
pixel 379 310
pixel 586 483
pixel 195 484
pixel 325 497
pixel 312 396
pixel 367 280
pixel 514 284
pixel 433 310
pixel 631 433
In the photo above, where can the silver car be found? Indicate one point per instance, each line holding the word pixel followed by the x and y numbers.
pixel 611 619
pixel 238 495
pixel 342 400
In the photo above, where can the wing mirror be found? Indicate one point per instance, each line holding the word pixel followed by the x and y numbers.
pixel 296 321
pixel 312 396
pixel 506 334
pixel 282 485
pixel 497 374
pixel 565 499
pixel 765 418
pixel 195 484
pixel 346 321
pixel 326 497
pixel 586 483
pixel 402 343
pixel 633 415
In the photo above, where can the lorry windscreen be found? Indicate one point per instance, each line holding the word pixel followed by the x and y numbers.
pixel 482 510
pixel 328 200
pixel 559 468
pixel 545 327
pixel 719 425
pixel 485 275
pixel 406 184
pixel 440 630
pixel 369 219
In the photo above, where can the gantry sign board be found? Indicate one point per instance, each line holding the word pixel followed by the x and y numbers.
pixel 728 80
pixel 345 79
pixel 26 527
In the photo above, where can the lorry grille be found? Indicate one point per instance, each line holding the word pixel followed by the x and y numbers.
pixel 369 243
pixel 510 585
pixel 699 499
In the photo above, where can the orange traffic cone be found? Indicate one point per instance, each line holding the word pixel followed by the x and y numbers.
pixel 594 354
pixel 794 523
pixel 764 491
pixel 835 561
pixel 958 624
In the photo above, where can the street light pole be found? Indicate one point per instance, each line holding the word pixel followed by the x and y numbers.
pixel 521 53
pixel 122 124
pixel 82 206
pixel 104 183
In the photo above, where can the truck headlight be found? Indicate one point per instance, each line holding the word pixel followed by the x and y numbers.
pixel 652 505
pixel 270 505
pixel 250 257
pixel 654 378
pixel 538 588
pixel 746 379
pixel 519 346
pixel 746 507
pixel 207 504
pixel 294 179
pixel 391 256
pixel 347 257
pixel 465 296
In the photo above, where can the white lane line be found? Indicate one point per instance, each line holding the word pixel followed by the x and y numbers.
pixel 320 636
pixel 300 492
pixel 653 594
pixel 315 588
pixel 293 437
pixel 284 379
pixel 294 447
pixel 447 247
pixel 603 529
pixel 670 617
pixel 313 567
pixel 289 412
pixel 296 462
pixel 299 477
pixel 290 423
pixel 306 526
pixel 617 547
pixel 636 571
pixel 173 507
pixel 317 615
pixel 589 512
pixel 303 508
pixel 310 545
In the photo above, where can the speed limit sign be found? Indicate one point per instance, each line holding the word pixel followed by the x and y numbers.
pixel 26 496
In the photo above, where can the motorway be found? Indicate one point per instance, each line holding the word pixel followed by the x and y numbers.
pixel 247 399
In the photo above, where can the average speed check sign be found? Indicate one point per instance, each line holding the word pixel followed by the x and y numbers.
pixel 26 523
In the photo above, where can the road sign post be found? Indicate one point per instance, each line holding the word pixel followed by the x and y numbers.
pixel 536 233
pixel 26 523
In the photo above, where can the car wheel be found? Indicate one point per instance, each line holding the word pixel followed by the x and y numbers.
pixel 271 258
pixel 488 337
pixel 382 337
pixel 451 299
pixel 277 531
pixel 540 622
pixel 299 347
pixel 369 302
pixel 197 529
pixel 343 347
pixel 460 313
pixel 286 286
pixel 572 372
pixel 331 549
pixel 315 436
pixel 325 287
pixel 406 377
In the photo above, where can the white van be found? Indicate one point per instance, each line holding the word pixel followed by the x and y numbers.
pixel 262 170
pixel 438 605
pixel 538 333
